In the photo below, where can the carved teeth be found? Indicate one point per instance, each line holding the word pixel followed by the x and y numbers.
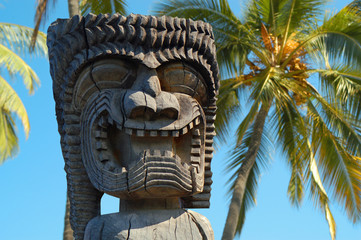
pixel 104 157
pixel 196 142
pixel 100 134
pixel 101 145
pixel 184 165
pixel 197 121
pixel 184 130
pixel 153 133
pixel 177 158
pixel 129 131
pixel 111 168
pixel 164 133
pixel 168 153
pixel 140 133
pixel 195 160
pixel 120 127
pixel 196 151
pixel 194 170
pixel 103 123
pixel 147 152
pixel 196 132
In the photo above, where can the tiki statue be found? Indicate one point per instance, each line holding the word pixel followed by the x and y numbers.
pixel 135 103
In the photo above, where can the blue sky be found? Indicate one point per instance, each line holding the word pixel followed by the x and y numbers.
pixel 33 184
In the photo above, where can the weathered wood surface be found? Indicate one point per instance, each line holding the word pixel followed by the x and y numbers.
pixel 176 224
pixel 135 103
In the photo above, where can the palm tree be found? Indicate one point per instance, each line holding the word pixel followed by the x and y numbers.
pixel 301 78
pixel 75 7
pixel 14 41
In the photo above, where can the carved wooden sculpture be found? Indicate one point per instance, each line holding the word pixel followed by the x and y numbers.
pixel 135 103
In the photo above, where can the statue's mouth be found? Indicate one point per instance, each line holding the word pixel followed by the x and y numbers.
pixel 148 158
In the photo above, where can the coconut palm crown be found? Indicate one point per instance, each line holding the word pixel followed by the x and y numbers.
pixel 14 42
pixel 301 76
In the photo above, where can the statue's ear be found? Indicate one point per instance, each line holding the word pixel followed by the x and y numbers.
pixel 84 198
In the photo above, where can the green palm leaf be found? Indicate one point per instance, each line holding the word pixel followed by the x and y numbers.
pixel 17 39
pixel 105 6
pixel 228 107
pixel 233 39
pixel 14 64
pixel 290 14
pixel 10 104
pixel 319 193
pixel 290 130
pixel 342 169
pixel 338 39
pixel 14 40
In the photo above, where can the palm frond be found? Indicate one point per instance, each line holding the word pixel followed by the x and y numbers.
pixel 291 14
pixel 216 12
pixel 263 86
pixel 15 65
pixel 337 41
pixel 341 169
pixel 268 12
pixel 299 14
pixel 8 139
pixel 355 6
pixel 342 84
pixel 290 130
pixel 105 6
pixel 232 54
pixel 10 104
pixel 319 193
pixel 19 39
pixel 247 121
pixel 339 123
pixel 339 38
pixel 228 105
pixel 260 95
pixel 234 40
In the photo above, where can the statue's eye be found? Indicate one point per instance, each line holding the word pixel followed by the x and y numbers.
pixel 103 74
pixel 182 78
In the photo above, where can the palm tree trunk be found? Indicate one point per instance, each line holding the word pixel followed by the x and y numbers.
pixel 68 232
pixel 73 7
pixel 240 183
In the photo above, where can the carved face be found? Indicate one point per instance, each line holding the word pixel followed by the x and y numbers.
pixel 143 129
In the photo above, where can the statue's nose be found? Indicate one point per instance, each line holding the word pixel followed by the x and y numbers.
pixel 147 81
pixel 146 100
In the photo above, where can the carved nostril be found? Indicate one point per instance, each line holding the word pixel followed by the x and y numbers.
pixel 167 105
pixel 139 105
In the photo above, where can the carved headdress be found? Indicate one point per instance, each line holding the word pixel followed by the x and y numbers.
pixel 94 65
